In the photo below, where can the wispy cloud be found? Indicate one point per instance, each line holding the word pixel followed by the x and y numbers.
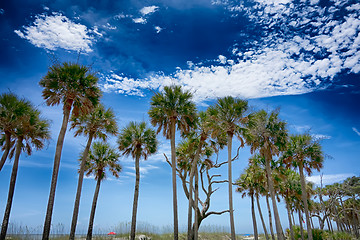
pixel 139 20
pixel 148 10
pixel 320 136
pixel 356 131
pixel 158 29
pixel 2 11
pixel 144 169
pixel 329 178
pixel 302 51
pixel 57 31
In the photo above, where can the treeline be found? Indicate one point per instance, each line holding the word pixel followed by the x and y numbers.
pixel 276 170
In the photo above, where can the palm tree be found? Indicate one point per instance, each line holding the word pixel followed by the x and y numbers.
pixel 246 185
pixel 137 140
pixel 101 157
pixel 96 124
pixel 229 112
pixel 170 109
pixel 290 189
pixel 268 135
pixel 257 163
pixel 75 87
pixel 11 110
pixel 31 132
pixel 305 153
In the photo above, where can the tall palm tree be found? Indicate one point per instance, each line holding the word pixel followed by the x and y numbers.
pixel 257 163
pixel 229 113
pixel 290 189
pixel 96 124
pixel 304 153
pixel 101 157
pixel 170 109
pixel 76 89
pixel 31 132
pixel 246 185
pixel 267 134
pixel 137 140
pixel 11 110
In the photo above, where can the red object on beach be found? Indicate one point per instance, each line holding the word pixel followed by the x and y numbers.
pixel 111 233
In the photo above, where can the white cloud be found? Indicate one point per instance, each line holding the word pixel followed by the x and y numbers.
pixel 222 59
pixel 2 11
pixel 139 20
pixel 57 31
pixel 96 31
pixel 284 63
pixel 46 8
pixel 320 136
pixel 356 131
pixel 158 29
pixel 144 169
pixel 329 179
pixel 148 10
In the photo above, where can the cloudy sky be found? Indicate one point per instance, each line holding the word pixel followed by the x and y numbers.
pixel 300 55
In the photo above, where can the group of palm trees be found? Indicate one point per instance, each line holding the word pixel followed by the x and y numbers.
pixel 172 111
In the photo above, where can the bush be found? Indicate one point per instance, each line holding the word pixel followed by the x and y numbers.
pixel 318 234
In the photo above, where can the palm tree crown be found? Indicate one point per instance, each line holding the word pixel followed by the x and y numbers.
pixel 173 104
pixel 71 84
pixel 229 113
pixel 30 131
pixel 100 158
pixel 12 112
pixel 98 123
pixel 137 140
pixel 303 150
pixel 267 133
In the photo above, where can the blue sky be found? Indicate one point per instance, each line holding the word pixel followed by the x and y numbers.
pixel 300 55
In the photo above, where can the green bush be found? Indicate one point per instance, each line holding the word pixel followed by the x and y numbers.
pixel 340 236
pixel 318 234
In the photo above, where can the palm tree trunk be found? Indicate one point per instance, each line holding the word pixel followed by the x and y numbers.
pixel 301 225
pixel 93 208
pixel 261 217
pixel 5 222
pixel 191 202
pixel 232 224
pixel 304 199
pixel 290 222
pixel 272 195
pixel 136 197
pixel 59 146
pixel 79 187
pixel 173 168
pixel 7 150
pixel 196 218
pixel 254 217
pixel 270 218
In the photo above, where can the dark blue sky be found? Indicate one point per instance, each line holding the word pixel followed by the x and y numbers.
pixel 300 55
